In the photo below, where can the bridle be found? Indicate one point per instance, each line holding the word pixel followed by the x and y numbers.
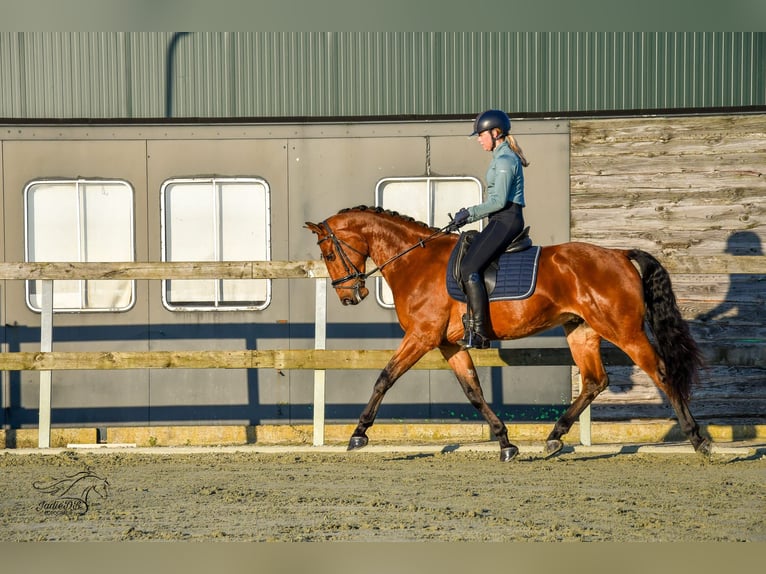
pixel 352 271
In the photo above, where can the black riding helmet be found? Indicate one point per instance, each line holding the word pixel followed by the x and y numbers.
pixel 492 119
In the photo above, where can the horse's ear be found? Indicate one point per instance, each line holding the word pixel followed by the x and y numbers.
pixel 313 227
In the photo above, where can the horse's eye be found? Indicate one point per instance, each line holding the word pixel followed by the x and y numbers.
pixel 330 256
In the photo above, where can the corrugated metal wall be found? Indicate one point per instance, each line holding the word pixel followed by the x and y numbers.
pixel 339 74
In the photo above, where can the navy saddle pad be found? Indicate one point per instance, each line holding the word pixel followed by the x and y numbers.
pixel 516 276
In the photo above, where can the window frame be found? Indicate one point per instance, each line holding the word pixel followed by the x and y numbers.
pixel 214 305
pixel 429 181
pixel 79 181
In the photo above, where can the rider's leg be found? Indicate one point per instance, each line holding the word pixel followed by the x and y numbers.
pixel 476 336
pixel 485 247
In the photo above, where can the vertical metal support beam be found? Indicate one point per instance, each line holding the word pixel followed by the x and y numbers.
pixel 46 346
pixel 170 67
pixel 320 342
pixel 585 436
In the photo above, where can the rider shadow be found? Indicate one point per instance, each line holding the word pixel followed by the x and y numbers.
pixel 731 308
pixel 733 317
pixel 736 312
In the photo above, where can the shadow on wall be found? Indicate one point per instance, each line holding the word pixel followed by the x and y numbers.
pixel 735 326
pixel 740 243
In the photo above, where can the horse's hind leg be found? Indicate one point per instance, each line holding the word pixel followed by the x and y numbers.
pixel 462 364
pixel 585 345
pixel 644 355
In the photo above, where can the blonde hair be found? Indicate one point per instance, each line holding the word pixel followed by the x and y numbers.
pixel 517 149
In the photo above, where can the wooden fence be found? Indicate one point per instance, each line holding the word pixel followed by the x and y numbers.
pixel 318 359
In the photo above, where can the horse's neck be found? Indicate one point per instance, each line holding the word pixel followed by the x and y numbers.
pixel 387 244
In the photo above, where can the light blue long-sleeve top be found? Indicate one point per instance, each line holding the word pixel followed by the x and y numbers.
pixel 505 183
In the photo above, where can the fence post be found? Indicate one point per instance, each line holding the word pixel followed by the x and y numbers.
pixel 320 342
pixel 46 346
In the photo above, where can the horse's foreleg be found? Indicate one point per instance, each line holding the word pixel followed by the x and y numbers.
pixel 462 364
pixel 410 350
pixel 585 345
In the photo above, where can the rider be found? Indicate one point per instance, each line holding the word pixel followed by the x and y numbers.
pixel 503 205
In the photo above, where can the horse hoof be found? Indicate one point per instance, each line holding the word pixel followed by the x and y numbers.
pixel 705 448
pixel 357 442
pixel 508 453
pixel 553 447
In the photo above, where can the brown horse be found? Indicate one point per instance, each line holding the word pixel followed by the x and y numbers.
pixel 592 292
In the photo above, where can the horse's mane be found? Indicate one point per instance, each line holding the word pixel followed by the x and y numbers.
pixel 394 214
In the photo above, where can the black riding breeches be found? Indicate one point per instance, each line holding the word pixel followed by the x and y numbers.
pixel 502 228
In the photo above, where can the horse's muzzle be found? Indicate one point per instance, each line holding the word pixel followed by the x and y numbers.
pixel 355 294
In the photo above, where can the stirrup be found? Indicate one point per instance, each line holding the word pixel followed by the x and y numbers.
pixel 473 340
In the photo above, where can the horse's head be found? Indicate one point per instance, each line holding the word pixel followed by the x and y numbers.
pixel 77 486
pixel 344 253
pixel 93 483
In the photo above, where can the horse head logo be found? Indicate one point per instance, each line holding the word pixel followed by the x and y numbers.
pixel 71 493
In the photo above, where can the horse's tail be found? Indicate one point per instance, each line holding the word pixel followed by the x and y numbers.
pixel 673 341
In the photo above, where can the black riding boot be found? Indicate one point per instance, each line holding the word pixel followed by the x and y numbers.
pixel 477 316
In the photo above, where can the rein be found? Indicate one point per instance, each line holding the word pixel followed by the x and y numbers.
pixel 348 265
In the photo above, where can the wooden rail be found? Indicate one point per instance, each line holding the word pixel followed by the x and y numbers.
pixel 317 359
pixel 312 359
pixel 166 270
pixel 714 264
pixel 269 359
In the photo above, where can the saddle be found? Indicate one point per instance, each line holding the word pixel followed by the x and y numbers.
pixel 513 274
pixel 520 243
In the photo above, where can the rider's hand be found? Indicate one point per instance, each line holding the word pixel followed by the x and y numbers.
pixel 461 218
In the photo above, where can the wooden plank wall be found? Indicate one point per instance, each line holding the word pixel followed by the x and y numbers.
pixel 682 186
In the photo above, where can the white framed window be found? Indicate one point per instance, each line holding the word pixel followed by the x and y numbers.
pixel 80 220
pixel 215 219
pixel 427 199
